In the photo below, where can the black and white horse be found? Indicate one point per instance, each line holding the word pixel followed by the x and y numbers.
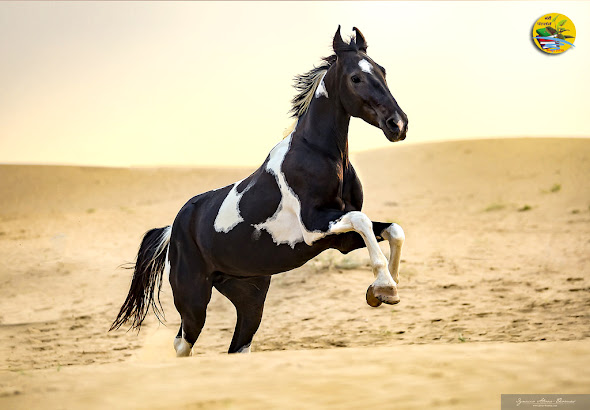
pixel 304 199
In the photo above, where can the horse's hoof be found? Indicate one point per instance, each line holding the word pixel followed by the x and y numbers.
pixel 382 294
pixel 371 299
pixel 182 347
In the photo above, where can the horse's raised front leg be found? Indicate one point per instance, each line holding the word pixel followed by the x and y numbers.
pixel 384 288
pixel 394 234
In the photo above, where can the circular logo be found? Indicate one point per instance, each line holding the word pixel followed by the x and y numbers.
pixel 554 33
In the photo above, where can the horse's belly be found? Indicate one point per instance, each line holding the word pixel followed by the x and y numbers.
pixel 246 251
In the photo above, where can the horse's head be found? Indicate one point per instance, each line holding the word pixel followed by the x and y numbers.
pixel 363 89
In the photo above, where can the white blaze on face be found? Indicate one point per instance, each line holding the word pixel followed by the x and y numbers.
pixel 366 66
pixel 228 215
pixel 321 90
pixel 286 226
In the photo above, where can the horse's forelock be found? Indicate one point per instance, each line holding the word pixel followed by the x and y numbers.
pixel 351 46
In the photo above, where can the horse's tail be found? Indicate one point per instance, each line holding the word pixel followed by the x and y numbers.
pixel 147 279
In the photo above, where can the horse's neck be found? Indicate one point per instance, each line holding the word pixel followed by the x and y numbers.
pixel 324 126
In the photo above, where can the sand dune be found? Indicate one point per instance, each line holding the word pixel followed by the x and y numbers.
pixel 497 252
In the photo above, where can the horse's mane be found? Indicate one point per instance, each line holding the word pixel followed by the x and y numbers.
pixel 306 84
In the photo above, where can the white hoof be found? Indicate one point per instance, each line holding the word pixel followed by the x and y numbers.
pixel 182 347
pixel 245 349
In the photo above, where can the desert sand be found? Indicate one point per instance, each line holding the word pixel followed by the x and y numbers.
pixel 495 289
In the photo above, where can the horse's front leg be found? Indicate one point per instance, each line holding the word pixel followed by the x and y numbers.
pixel 394 234
pixel 384 288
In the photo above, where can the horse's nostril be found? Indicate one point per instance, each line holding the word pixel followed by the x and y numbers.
pixel 392 125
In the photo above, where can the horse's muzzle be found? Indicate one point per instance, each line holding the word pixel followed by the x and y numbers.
pixel 395 128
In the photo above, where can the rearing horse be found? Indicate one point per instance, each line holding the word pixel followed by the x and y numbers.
pixel 304 199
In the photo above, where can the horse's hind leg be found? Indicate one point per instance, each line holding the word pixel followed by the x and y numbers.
pixel 191 287
pixel 182 347
pixel 248 296
pixel 191 297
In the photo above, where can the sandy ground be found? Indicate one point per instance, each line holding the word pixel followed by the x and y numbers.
pixel 495 289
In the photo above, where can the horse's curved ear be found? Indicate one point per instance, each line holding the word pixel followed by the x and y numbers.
pixel 360 41
pixel 338 44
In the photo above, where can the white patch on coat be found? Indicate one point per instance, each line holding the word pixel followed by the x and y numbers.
pixel 228 215
pixel 400 125
pixel 321 89
pixel 366 66
pixel 286 226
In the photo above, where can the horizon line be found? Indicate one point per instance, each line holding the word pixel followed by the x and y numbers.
pixel 254 165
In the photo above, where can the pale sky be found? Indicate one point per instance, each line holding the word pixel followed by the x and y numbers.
pixel 203 83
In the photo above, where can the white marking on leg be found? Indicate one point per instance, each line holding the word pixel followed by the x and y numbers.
pixel 182 347
pixel 285 225
pixel 396 237
pixel 228 215
pixel 245 349
pixel 366 66
pixel 321 89
pixel 359 222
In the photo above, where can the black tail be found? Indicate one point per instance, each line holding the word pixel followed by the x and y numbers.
pixel 147 280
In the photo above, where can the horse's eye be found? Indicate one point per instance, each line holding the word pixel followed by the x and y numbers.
pixel 355 79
